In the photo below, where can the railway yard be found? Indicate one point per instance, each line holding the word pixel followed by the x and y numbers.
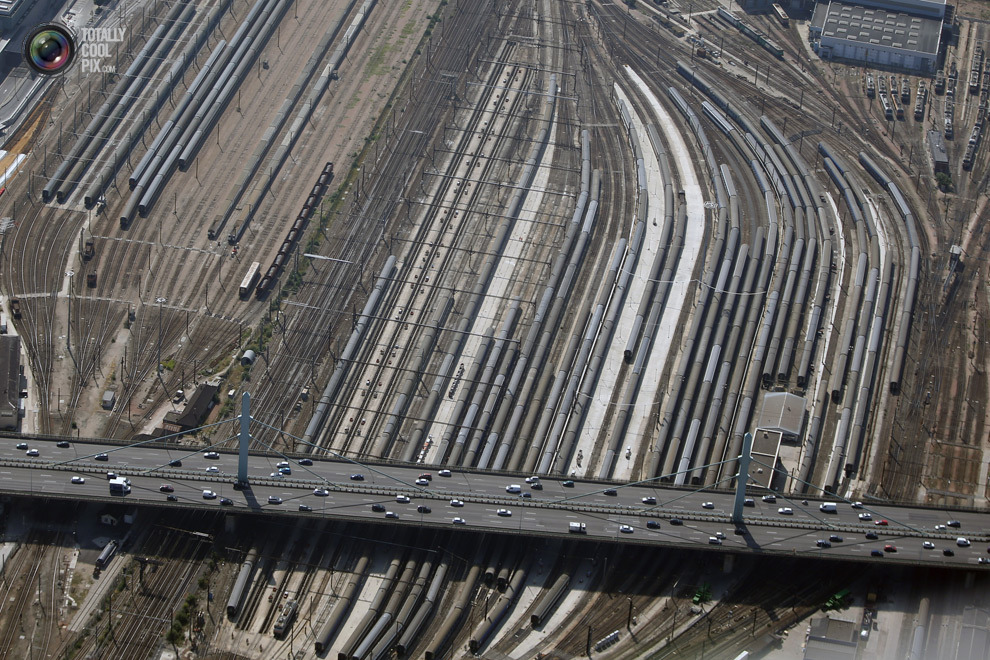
pixel 597 240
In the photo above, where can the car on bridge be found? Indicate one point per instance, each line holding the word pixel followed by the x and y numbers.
pixel 707 505
pixel 962 542
pixel 458 521
pixel 949 552
pixel 171 498
pixel 357 477
pixel 211 455
pixel 33 452
pixel 305 507
pixel 78 480
pixel 22 445
pixel 209 495
pixel 274 499
pixel 305 461
pixel 928 545
pixel 653 524
pixel 953 523
pixel 822 543
pixel 456 503
pixel 567 484
pixel 872 536
pixel 610 492
pixel 378 508
pixel 321 492
pixel 626 529
pixel 876 553
pixel 677 522
pixel 175 463
pixel 881 523
pixel 505 513
pixel 835 538
pixel 770 498
pixel 226 501
pixel 649 500
pixel 402 499
pixel 62 444
pixel 865 516
pixel 785 511
pixel 391 514
pixel 102 457
pixel 422 482
pixel 444 473
pixel 714 540
pixel 890 547
pixel 166 488
pixel 213 469
pixel 422 508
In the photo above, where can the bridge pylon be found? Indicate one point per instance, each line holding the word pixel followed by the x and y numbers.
pixel 741 478
pixel 244 439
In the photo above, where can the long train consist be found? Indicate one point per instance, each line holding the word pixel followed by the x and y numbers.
pixel 295 232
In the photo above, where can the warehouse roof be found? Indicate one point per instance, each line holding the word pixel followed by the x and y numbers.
pixel 874 26
pixel 782 412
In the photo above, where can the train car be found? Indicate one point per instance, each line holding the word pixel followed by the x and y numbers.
pixel 250 279
pixel 871 88
pixel 781 15
pixel 285 619
pixel 109 550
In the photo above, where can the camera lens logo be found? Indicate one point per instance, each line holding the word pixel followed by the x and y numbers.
pixel 49 49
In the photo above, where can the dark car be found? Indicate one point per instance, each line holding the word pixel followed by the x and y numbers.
pixel 62 444
pixel 610 491
pixel 305 507
pixel 536 485
pixel 171 498
pixel 653 524
pixel 305 461
pixel 357 477
pixel 567 484
pixel 175 463
pixel 953 523
pixel 739 531
pixel 102 457
pixel 422 508
pixel 949 552
pixel 676 521
pixel 835 538
pixel 822 543
pixel 872 536
pixel 378 508
pixel 876 553
pixel 226 501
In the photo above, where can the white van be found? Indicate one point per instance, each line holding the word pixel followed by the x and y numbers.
pixel 514 488
pixel 828 507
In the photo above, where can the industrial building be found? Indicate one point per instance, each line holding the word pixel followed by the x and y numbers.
pixel 10 382
pixel 902 34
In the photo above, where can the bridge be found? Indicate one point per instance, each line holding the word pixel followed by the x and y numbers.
pixel 326 486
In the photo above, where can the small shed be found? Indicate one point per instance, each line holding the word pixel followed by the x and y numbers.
pixel 109 400
pixel 936 145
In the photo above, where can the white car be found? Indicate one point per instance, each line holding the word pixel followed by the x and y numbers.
pixel 211 455
pixel 402 499
pixel 714 540
pixel 940 528
pixel 857 505
pixel 456 503
pixel 708 505
pixel 422 482
pixel 213 469
pixel 770 498
pixel 928 545
pixel 78 480
pixel 962 542
pixel 626 529
pixel 444 473
pixel 33 452
pixel 391 514
pixel 458 521
pixel 865 516
pixel 209 495
pixel 321 492
pixel 785 511
pixel 505 513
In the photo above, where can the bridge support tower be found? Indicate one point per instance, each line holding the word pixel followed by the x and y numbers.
pixel 742 478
